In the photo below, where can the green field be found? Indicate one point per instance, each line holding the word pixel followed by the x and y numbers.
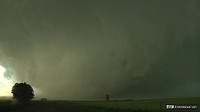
pixel 144 104
pixel 139 105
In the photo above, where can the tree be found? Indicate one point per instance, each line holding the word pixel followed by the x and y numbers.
pixel 22 92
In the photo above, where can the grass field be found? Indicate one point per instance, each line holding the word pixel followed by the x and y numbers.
pixel 140 105
pixel 144 104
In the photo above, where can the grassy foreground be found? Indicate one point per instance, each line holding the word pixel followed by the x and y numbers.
pixel 140 105
pixel 157 105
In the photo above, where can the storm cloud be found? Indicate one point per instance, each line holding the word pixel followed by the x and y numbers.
pixel 77 49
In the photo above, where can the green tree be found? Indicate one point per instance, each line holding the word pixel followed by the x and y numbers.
pixel 22 92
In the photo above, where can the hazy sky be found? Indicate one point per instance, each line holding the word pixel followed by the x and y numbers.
pixel 84 49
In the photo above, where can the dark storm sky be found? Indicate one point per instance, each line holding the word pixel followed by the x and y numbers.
pixel 84 49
